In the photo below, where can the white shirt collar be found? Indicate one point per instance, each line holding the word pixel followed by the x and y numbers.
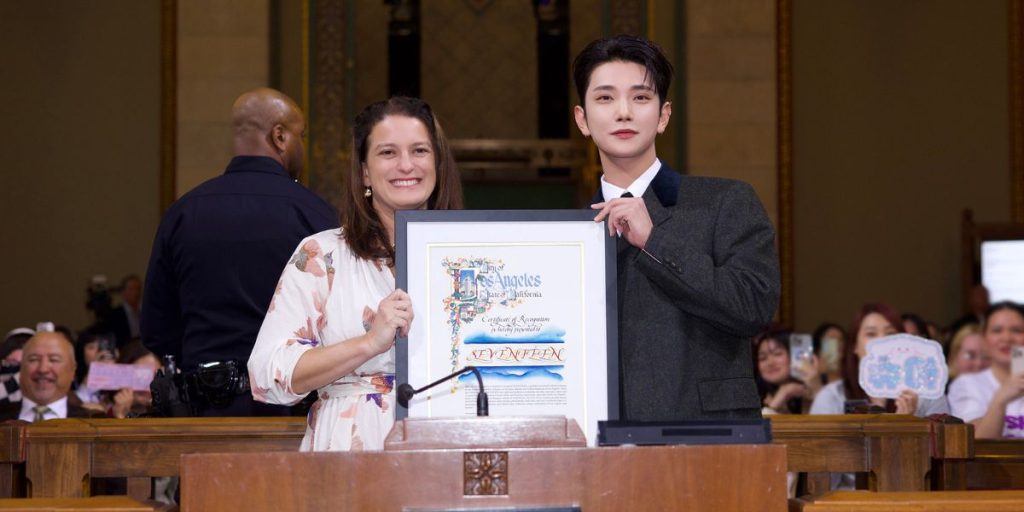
pixel 637 188
pixel 58 409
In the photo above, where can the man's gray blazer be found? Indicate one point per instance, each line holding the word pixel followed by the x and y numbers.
pixel 706 282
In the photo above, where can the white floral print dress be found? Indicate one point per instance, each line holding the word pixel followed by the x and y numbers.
pixel 327 295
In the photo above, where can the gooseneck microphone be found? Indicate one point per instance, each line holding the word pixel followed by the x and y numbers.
pixel 406 392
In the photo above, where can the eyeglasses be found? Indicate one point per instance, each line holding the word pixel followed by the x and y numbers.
pixel 972 356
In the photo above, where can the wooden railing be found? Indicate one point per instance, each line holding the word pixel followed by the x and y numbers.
pixel 58 458
pixel 945 501
pixel 894 451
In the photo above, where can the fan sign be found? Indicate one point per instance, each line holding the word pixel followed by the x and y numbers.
pixel 902 361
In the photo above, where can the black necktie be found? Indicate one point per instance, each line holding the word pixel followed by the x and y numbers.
pixel 626 194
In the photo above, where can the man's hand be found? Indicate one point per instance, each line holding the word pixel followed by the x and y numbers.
pixel 628 216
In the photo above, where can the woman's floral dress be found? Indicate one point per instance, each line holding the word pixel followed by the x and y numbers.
pixel 327 295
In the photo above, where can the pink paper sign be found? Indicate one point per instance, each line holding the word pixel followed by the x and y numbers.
pixel 119 376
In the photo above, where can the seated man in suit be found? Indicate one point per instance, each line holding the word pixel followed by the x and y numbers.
pixel 47 369
pixel 698 275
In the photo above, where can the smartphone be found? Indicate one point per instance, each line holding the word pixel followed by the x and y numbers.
pixel 801 348
pixel 1016 360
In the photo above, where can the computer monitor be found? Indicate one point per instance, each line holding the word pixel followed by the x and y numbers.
pixel 1002 269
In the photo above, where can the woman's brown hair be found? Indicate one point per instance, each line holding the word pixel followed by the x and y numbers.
pixel 363 230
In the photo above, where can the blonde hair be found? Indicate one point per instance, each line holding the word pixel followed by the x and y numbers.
pixel 956 344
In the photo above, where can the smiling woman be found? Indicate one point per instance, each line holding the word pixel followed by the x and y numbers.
pixel 399 171
pixel 993 399
pixel 332 323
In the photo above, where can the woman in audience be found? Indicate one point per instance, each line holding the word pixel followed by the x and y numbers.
pixel 781 393
pixel 967 352
pixel 829 340
pixel 93 346
pixel 872 321
pixel 132 403
pixel 332 323
pixel 914 324
pixel 992 399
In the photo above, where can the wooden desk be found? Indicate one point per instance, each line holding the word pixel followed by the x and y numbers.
pixel 698 478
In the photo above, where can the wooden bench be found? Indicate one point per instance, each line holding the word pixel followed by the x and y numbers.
pixel 94 504
pixel 12 459
pixel 938 501
pixel 62 456
pixel 895 451
pixel 997 464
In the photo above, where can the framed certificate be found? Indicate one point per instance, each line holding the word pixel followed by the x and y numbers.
pixel 526 296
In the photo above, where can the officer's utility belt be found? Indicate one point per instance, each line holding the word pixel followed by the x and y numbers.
pixel 214 384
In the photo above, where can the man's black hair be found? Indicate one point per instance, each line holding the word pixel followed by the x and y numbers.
pixel 623 48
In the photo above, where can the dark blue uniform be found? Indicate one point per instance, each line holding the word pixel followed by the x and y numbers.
pixel 216 260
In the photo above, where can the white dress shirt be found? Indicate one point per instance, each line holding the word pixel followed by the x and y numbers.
pixel 637 188
pixel 58 410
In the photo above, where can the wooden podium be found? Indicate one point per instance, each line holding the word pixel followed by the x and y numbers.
pixel 488 464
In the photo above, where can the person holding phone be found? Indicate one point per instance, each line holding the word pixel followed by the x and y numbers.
pixel 829 340
pixel 993 400
pixel 784 387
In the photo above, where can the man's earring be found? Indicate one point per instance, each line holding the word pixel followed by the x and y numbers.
pixel 368 194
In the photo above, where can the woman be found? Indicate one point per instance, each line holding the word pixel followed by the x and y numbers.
pixel 127 402
pixel 333 319
pixel 967 352
pixel 829 340
pixel 872 321
pixel 992 399
pixel 93 346
pixel 780 392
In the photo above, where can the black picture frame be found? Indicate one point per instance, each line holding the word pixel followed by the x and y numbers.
pixel 404 218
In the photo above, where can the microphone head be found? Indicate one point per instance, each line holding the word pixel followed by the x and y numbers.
pixel 405 392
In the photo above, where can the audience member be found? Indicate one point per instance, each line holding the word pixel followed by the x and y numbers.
pixel 993 399
pixel 47 369
pixel 872 321
pixel 914 324
pixel 967 352
pixel 10 363
pixel 977 304
pixel 124 319
pixel 340 343
pixel 781 392
pixel 128 402
pixel 829 340
pixel 220 248
pixel 93 345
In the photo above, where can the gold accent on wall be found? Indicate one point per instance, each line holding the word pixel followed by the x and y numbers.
pixel 329 161
pixel 627 17
pixel 650 16
pixel 1016 111
pixel 304 100
pixel 168 102
pixel 784 55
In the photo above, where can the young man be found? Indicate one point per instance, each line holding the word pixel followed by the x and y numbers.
pixel 698 274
